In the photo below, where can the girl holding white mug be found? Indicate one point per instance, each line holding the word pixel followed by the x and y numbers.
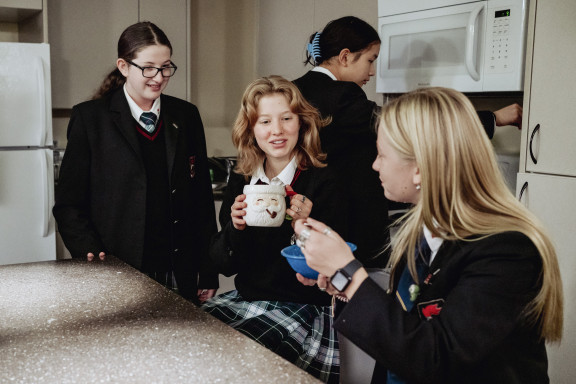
pixel 276 133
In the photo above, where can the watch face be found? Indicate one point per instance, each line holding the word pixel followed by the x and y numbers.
pixel 340 281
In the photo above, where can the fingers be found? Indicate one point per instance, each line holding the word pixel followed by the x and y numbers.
pixel 325 286
pixel 237 212
pixel 305 280
pixel 300 207
pixel 237 208
pixel 101 256
pixel 205 294
pixel 509 115
pixel 315 224
pixel 238 223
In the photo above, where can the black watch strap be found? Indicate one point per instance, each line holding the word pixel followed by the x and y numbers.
pixel 352 267
pixel 343 276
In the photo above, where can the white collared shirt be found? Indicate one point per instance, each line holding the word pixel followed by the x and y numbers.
pixel 433 242
pixel 137 111
pixel 284 178
pixel 325 71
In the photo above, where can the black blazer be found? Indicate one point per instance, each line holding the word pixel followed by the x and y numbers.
pixel 254 253
pixel 477 336
pixel 101 192
pixel 350 143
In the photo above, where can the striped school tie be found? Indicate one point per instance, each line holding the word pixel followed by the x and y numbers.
pixel 408 289
pixel 149 119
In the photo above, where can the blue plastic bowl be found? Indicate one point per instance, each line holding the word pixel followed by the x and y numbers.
pixel 297 260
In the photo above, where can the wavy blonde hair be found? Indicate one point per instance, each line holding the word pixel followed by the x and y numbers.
pixel 463 192
pixel 308 150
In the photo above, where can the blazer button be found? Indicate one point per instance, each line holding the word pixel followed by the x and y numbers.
pixel 173 191
pixel 176 221
pixel 175 250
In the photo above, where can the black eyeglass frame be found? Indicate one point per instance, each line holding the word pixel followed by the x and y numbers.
pixel 161 69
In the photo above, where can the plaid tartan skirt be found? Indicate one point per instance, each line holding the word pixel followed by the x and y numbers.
pixel 300 333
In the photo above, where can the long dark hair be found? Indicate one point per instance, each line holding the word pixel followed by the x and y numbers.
pixel 347 32
pixel 134 39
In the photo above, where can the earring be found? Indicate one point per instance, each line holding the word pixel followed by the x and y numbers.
pixel 418 187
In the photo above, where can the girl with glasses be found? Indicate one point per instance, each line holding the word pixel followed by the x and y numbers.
pixel 134 181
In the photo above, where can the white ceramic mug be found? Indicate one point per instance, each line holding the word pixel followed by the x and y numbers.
pixel 266 205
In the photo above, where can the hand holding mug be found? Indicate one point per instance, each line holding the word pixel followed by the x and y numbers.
pixel 237 212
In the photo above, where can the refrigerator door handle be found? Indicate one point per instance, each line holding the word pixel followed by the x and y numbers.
pixel 39 65
pixel 46 193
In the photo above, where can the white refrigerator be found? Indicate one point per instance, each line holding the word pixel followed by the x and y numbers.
pixel 27 227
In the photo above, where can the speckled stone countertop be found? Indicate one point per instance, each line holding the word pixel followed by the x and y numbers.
pixel 70 321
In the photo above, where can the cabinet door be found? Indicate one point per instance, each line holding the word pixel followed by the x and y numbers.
pixel 553 91
pixel 551 198
pixel 172 17
pixel 26 201
pixel 83 37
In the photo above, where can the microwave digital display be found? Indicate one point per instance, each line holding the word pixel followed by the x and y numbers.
pixel 502 13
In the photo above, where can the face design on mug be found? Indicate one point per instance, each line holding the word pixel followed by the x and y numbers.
pixel 264 207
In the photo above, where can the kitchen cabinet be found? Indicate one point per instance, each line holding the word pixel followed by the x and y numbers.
pixel 550 131
pixel 27 18
pixel 550 198
pixel 84 34
pixel 547 179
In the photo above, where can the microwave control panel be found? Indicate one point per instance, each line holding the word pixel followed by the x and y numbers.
pixel 499 42
pixel 505 44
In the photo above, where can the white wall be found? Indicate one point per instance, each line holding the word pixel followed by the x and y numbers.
pixel 222 58
pixel 237 41
pixel 286 26
pixel 8 32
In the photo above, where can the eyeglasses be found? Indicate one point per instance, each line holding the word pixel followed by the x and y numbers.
pixel 150 72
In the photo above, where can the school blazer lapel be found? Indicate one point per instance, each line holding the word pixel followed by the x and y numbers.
pixel 171 133
pixel 124 121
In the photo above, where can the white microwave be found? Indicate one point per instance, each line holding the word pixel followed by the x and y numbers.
pixel 476 46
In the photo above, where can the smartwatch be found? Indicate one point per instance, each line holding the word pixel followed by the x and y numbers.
pixel 343 276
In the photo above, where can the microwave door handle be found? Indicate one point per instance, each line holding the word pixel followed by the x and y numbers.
pixel 470 38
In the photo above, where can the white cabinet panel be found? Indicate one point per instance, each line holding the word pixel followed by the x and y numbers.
pixel 26 200
pixel 551 198
pixel 83 38
pixel 84 35
pixel 553 91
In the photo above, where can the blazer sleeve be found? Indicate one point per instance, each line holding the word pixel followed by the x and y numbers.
pixel 485 297
pixel 208 274
pixel 353 119
pixel 223 243
pixel 488 122
pixel 72 200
